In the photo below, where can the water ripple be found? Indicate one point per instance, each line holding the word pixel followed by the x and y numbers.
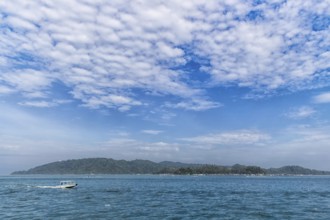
pixel 167 197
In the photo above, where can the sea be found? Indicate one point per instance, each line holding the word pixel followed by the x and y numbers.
pixel 165 197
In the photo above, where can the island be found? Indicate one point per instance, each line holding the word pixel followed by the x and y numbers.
pixel 111 166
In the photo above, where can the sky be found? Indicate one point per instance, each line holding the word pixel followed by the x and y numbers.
pixel 199 81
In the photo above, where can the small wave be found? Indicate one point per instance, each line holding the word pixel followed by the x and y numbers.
pixel 12 189
pixel 113 190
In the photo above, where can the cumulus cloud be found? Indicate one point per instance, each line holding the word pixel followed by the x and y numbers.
pixel 27 80
pixel 107 52
pixel 275 46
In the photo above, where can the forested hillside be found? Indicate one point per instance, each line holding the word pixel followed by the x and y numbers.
pixel 111 166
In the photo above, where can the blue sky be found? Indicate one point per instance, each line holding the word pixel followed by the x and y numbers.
pixel 220 82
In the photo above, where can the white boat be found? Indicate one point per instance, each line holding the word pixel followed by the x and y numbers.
pixel 66 184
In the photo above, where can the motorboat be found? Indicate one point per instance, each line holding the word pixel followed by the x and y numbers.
pixel 67 184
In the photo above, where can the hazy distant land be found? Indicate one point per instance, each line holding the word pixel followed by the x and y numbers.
pixel 111 166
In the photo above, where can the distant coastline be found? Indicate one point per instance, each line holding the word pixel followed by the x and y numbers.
pixel 111 166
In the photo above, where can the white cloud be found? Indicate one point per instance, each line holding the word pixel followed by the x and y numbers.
pixel 161 116
pixel 131 149
pixel 160 147
pixel 196 104
pixel 240 137
pixel 27 80
pixel 306 145
pixel 301 112
pixel 322 98
pixel 309 135
pixel 152 132
pixel 105 51
pixel 43 103
pixel 6 90
pixel 118 133
pixel 123 103
pixel 39 104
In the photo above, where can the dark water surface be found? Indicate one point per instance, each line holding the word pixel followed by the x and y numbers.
pixel 166 197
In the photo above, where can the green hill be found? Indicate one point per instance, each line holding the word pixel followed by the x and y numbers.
pixel 101 166
pixel 111 166
pixel 295 170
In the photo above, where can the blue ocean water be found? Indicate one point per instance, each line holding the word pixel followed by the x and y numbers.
pixel 166 197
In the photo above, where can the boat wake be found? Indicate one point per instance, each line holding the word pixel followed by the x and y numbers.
pixel 49 187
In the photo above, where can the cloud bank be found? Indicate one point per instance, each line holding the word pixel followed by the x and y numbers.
pixel 108 52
